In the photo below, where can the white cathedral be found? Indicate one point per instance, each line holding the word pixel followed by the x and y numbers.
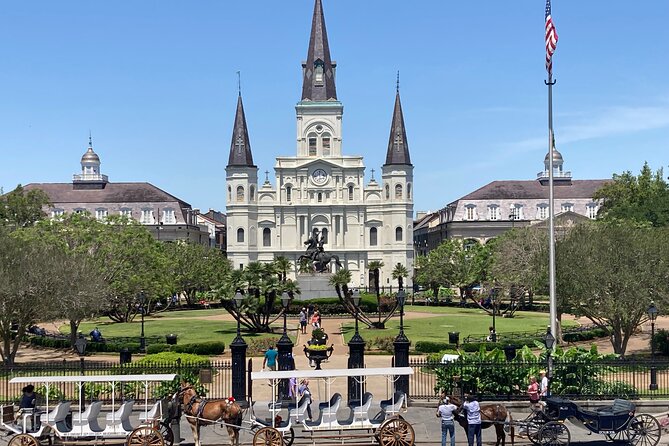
pixel 320 187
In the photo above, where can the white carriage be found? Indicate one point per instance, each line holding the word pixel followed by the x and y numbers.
pixel 386 428
pixel 58 423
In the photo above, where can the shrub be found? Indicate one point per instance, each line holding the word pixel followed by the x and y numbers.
pixel 205 348
pixel 385 343
pixel 160 359
pixel 661 340
pixel 258 347
pixel 433 347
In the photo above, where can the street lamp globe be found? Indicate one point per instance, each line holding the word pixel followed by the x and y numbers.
pixel 238 299
pixel 355 297
pixel 285 299
pixel 549 340
pixel 142 297
pixel 401 297
pixel 652 312
pixel 80 345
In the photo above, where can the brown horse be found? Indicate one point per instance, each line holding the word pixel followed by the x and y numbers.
pixel 202 412
pixel 491 415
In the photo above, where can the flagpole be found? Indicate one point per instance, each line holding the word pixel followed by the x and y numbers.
pixel 551 211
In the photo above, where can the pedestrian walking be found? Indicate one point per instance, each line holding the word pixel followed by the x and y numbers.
pixel 314 321
pixel 533 392
pixel 302 391
pixel 543 385
pixel 473 410
pixel 303 321
pixel 270 358
pixel 445 412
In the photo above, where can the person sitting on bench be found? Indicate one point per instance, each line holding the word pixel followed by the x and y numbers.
pixel 96 335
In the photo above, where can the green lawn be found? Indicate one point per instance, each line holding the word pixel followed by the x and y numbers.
pixel 445 319
pixel 188 330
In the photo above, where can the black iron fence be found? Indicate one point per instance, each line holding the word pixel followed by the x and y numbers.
pixel 215 377
pixel 630 379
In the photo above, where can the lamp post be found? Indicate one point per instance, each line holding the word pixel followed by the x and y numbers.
pixel 493 301
pixel 652 315
pixel 238 348
pixel 80 346
pixel 356 350
pixel 549 340
pixel 142 302
pixel 401 345
pixel 285 348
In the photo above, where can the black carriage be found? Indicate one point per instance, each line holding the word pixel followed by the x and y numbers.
pixel 618 422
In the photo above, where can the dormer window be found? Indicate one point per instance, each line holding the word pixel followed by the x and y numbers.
pixel 318 73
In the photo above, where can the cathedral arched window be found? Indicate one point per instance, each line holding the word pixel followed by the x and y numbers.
pixel 252 193
pixel 319 197
pixel 240 235
pixel 326 142
pixel 324 235
pixel 387 192
pixel 398 191
pixel 409 191
pixel 240 193
pixel 350 192
pixel 229 194
pixel 373 237
pixel 312 140
pixel 289 193
pixel 398 234
pixel 267 237
pixel 318 72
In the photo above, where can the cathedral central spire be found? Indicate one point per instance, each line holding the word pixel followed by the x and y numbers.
pixel 398 147
pixel 318 82
pixel 240 147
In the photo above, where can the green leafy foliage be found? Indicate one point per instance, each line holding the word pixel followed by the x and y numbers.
pixel 188 368
pixel 20 208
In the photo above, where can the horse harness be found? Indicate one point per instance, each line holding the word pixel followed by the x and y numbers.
pixel 200 408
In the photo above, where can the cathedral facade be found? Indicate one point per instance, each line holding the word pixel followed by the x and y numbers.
pixel 320 187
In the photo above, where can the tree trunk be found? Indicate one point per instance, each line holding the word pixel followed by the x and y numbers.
pixel 378 293
pixel 74 328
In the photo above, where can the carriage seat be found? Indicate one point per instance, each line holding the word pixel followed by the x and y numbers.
pixel 393 405
pixel 121 418
pixel 619 407
pixel 154 414
pixel 298 412
pixel 57 416
pixel 328 409
pixel 89 417
pixel 360 412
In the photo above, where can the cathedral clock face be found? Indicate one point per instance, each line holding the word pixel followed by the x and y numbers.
pixel 319 177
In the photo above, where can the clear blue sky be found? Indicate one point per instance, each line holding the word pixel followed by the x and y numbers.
pixel 155 82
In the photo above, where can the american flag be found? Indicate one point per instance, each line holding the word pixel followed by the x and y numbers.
pixel 551 38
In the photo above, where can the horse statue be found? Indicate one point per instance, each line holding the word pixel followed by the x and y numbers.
pixel 202 412
pixel 321 260
pixel 491 415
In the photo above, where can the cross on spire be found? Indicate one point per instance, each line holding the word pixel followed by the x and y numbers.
pixel 372 174
pixel 267 176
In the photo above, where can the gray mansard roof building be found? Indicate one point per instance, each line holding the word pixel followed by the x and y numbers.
pixel 501 205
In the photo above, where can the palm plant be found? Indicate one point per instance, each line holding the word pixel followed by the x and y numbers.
pixel 399 273
pixel 282 266
pixel 305 266
pixel 374 267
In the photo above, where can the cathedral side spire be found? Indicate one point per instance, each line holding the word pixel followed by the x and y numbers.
pixel 240 147
pixel 318 83
pixel 398 147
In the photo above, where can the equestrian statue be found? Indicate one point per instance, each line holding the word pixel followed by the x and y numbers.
pixel 317 255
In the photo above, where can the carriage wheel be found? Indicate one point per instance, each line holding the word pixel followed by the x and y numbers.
pixel 396 432
pixel 146 436
pixel 23 440
pixel 167 433
pixel 268 436
pixel 619 437
pixel 288 437
pixel 554 433
pixel 533 425
pixel 643 430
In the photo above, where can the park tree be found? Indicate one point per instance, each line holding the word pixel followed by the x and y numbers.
pixel 283 265
pixel 193 268
pixel 643 198
pixel 399 273
pixel 20 208
pixel 610 272
pixel 262 290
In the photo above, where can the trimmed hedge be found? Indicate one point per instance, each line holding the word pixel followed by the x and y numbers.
pixel 204 349
pixel 92 347
pixel 587 335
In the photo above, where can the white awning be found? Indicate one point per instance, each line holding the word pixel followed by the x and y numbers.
pixel 92 378
pixel 332 373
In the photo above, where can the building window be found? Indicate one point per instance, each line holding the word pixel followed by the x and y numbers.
pixel 240 193
pixel 470 212
pixel 252 193
pixel 229 194
pixel 240 235
pixel 324 235
pixel 409 191
pixel 267 237
pixel 373 237
pixel 126 212
pixel 592 211
pixel 80 211
pixel 567 207
pixel 493 212
pixel 146 217
pixel 318 73
pixel 387 192
pixel 516 212
pixel 289 193
pixel 320 197
pixel 57 213
pixel 325 141
pixel 168 217
pixel 313 146
pixel 350 192
pixel 542 212
pixel 398 191
pixel 398 234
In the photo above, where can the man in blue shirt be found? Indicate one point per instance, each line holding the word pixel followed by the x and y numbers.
pixel 270 358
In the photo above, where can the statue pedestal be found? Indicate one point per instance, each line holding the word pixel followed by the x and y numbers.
pixel 314 286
